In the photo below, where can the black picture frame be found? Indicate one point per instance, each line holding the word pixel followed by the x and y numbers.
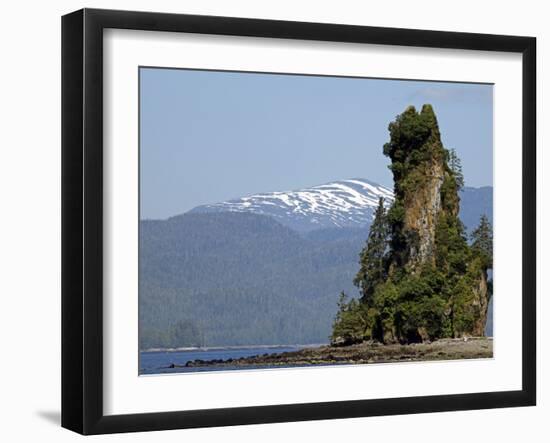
pixel 82 218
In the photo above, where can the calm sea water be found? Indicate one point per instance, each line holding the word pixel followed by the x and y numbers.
pixel 158 362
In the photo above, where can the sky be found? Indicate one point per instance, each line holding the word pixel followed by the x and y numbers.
pixel 210 136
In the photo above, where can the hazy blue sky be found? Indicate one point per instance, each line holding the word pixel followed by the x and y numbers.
pixel 212 136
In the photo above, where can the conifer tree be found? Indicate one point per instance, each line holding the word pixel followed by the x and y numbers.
pixel 456 167
pixel 373 257
pixel 350 324
pixel 482 241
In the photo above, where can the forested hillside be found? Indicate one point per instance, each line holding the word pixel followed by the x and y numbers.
pixel 237 278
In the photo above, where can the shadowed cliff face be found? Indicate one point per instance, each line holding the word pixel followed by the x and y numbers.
pixel 480 303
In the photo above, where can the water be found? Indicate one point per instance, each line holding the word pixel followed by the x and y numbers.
pixel 158 362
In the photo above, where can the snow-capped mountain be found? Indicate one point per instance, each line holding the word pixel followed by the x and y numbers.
pixel 343 203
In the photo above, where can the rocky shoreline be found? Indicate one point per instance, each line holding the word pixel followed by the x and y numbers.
pixel 363 353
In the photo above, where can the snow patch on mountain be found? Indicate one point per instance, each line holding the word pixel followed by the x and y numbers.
pixel 343 203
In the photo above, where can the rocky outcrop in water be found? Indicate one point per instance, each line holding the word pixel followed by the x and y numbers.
pixel 429 282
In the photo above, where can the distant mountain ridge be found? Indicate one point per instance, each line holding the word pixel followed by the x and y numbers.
pixel 339 204
pixel 473 203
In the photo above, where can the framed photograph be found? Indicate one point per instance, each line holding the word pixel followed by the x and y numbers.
pixel 269 221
